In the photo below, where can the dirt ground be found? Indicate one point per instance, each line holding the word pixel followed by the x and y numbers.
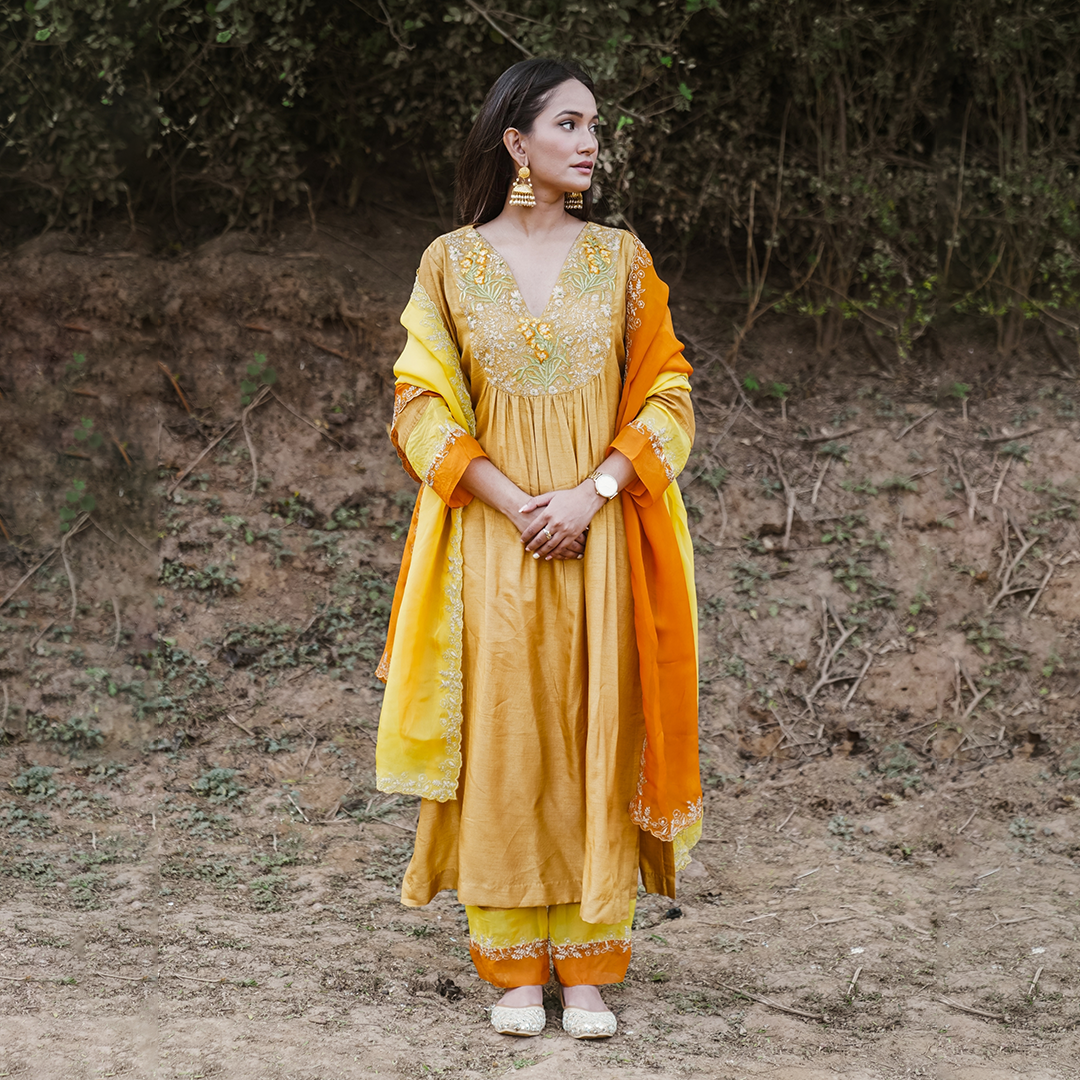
pixel 197 876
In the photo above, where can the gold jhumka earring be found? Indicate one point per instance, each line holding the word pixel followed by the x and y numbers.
pixel 574 200
pixel 522 194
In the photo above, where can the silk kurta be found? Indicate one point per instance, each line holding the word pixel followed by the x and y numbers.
pixel 532 799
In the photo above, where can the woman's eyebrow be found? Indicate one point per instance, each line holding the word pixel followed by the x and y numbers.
pixel 573 112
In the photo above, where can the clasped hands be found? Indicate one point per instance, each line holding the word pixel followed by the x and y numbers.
pixel 553 525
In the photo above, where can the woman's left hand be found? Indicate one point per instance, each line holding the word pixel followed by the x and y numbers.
pixel 557 519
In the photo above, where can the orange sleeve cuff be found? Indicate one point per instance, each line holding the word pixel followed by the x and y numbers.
pixel 447 474
pixel 652 478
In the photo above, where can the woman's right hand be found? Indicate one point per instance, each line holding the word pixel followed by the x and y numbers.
pixel 570 549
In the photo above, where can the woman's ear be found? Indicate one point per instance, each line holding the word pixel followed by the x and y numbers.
pixel 515 146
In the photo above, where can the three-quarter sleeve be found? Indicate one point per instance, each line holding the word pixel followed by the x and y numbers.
pixel 658 440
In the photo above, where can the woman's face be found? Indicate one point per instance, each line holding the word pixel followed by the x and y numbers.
pixel 560 150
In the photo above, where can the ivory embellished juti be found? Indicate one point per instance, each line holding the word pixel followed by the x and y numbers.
pixel 546 711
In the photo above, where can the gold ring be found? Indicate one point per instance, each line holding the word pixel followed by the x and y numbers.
pixel 547 533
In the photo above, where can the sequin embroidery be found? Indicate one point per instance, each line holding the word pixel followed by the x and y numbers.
pixel 563 348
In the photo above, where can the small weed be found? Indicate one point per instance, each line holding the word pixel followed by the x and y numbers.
pixel 839 826
pixel 1015 450
pixel 861 487
pixel 920 600
pixel 984 635
pixel 896 762
pixel 218 785
pixel 348 517
pixel 259 374
pixel 770 487
pixel 76 365
pixel 295 510
pixel 36 783
pixel 77 500
pixel 898 483
pixel 836 450
pixel 844 530
pixel 211 580
pixel 715 478
pixel 84 433
pixel 1022 830
pixel 77 733
pixel 959 391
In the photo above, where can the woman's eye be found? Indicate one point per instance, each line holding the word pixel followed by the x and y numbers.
pixel 568 124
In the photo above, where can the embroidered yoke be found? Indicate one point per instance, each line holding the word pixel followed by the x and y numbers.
pixel 551 727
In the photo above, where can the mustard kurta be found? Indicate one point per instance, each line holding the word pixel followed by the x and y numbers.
pixel 551 708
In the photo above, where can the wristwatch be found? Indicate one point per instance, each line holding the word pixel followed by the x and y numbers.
pixel 607 487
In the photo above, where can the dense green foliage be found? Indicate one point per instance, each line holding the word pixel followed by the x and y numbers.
pixel 886 160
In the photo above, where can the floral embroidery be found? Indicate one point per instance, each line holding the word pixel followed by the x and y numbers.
pixel 575 950
pixel 635 290
pixel 525 950
pixel 563 348
pixel 450 433
pixel 403 394
pixel 662 828
pixel 659 436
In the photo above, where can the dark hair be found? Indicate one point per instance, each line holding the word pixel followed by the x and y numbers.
pixel 485 168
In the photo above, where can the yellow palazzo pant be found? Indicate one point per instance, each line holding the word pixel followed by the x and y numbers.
pixel 516 946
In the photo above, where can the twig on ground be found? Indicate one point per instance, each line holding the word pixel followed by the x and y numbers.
pixel 311 750
pixel 176 386
pixel 823 678
pixel 828 922
pixel 969 490
pixel 854 982
pixel 245 730
pixel 119 447
pixel 813 440
pixel 723 513
pixel 1001 480
pixel 1009 438
pixel 111 539
pixel 971 818
pixel 1050 568
pixel 807 873
pixel 18 978
pixel 914 424
pixel 859 679
pixel 126 978
pixel 116 612
pixel 1010 570
pixel 251 454
pixel 137 540
pixel 26 577
pixel 773 1004
pixel 768 915
pixel 786 820
pixel 195 978
pixel 1034 983
pixel 789 494
pixel 259 398
pixel 301 674
pixel 67 566
pixel 818 482
pixel 297 805
pixel 44 631
pixel 974 703
pixel 1002 1017
pixel 289 408
pixel 326 348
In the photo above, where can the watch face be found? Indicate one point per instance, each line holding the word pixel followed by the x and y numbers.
pixel 606 485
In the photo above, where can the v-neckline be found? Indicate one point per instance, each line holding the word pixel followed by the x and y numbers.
pixel 562 269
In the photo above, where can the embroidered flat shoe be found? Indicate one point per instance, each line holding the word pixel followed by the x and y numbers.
pixel 522 1020
pixel 582 1024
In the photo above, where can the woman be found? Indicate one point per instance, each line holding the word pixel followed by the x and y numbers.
pixel 540 666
